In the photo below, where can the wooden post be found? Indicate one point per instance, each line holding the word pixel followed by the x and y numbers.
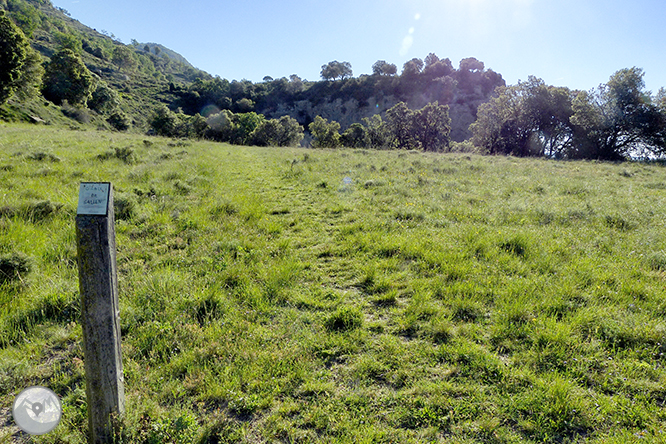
pixel 98 285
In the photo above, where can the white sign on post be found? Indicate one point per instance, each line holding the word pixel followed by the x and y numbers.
pixel 93 198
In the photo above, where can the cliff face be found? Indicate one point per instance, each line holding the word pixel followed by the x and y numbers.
pixel 348 102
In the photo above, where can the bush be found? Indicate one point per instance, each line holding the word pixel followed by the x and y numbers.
pixel 67 78
pixel 119 121
pixel 325 134
pixel 284 131
pixel 104 99
pixel 79 114
pixel 41 156
pixel 355 136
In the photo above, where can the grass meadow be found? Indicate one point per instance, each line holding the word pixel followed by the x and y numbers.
pixel 341 296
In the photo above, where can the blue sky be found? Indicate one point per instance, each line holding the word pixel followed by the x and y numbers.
pixel 574 43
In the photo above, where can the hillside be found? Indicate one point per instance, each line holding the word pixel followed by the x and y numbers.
pixel 293 295
pixel 144 76
pixel 349 100
pixel 141 85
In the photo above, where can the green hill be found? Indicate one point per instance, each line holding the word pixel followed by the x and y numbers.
pixel 142 81
pixel 143 76
pixel 292 295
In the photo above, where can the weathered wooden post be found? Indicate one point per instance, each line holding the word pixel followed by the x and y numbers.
pixel 98 285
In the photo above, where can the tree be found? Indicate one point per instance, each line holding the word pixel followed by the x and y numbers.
pixel 119 121
pixel 221 125
pixel 169 124
pixel 412 68
pixel 325 134
pixel 334 70
pixel 104 99
pixel 435 69
pixel 67 78
pixel 375 131
pixel 124 58
pixel 399 121
pixel 618 119
pixel 527 119
pixel 613 122
pixel 284 131
pixel 30 79
pixel 244 105
pixel 245 124
pixel 380 67
pixel 471 64
pixel 431 59
pixel 295 84
pixel 431 127
pixel 25 15
pixel 69 41
pixel 164 121
pixel 13 52
pixel 355 136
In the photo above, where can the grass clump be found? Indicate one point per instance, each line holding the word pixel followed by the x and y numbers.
pixel 124 206
pixel 41 156
pixel 14 267
pixel 345 318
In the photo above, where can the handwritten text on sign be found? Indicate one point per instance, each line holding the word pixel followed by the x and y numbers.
pixel 93 198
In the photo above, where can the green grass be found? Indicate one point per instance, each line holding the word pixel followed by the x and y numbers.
pixel 292 295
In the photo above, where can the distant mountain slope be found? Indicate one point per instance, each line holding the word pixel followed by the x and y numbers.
pixel 161 50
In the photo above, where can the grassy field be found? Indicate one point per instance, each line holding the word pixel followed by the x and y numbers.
pixel 342 296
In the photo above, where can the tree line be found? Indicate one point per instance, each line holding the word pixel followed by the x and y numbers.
pixel 434 78
pixel 615 121
pixel 426 129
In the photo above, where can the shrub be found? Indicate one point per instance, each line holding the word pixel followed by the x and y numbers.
pixel 104 99
pixel 42 156
pixel 81 115
pixel 517 245
pixel 119 121
pixel 325 134
pixel 126 154
pixel 67 78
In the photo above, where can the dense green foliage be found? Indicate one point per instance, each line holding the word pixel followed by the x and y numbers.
pixel 325 134
pixel 13 52
pixel 319 295
pixel 350 100
pixel 618 120
pixel 67 78
pixel 134 81
pixel 336 70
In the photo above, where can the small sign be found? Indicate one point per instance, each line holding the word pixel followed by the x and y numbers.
pixel 94 198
